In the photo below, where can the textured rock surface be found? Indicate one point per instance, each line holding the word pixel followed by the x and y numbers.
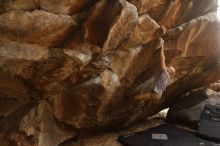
pixel 42 67
pixel 184 39
pixel 53 6
pixel 187 110
pixel 40 123
pixel 97 98
pixel 94 65
pixel 31 27
pixel 173 13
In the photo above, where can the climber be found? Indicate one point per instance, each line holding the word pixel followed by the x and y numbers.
pixel 163 79
pixel 160 82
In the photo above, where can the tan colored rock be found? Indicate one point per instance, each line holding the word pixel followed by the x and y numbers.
pixel 215 86
pixel 190 46
pixel 122 27
pixel 148 104
pixel 173 13
pixel 107 71
pixel 153 8
pixel 203 77
pixel 145 31
pixel 31 27
pixel 53 6
pixel 198 37
pixel 26 5
pixel 93 103
pixel 65 6
pixel 40 123
pixel 45 69
pixel 109 23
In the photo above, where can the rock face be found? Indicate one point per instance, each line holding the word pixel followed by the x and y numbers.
pixel 187 110
pixel 173 13
pixel 31 27
pixel 53 6
pixel 68 67
pixel 40 123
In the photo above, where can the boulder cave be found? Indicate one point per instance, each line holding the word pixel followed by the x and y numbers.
pixel 73 67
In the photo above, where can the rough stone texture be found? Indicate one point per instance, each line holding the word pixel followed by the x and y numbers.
pixel 187 109
pixel 94 65
pixel 31 27
pixel 13 93
pixel 40 123
pixel 184 39
pixel 215 86
pixel 171 13
pixel 53 6
pixel 42 67
pixel 97 97
pixel 109 23
pixel 145 31
pixel 26 5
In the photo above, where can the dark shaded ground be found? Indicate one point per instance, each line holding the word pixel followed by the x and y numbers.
pixel 110 139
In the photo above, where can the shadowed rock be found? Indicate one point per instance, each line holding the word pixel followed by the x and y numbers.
pixel 109 23
pixel 40 124
pixel 188 109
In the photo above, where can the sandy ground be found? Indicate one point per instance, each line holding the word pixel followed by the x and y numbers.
pixel 110 139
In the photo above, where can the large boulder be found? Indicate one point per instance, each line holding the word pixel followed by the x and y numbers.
pixel 52 6
pixel 109 23
pixel 26 5
pixel 195 38
pixel 104 64
pixel 43 127
pixel 42 68
pixel 187 109
pixel 172 13
pixel 101 100
pixel 145 31
pixel 31 27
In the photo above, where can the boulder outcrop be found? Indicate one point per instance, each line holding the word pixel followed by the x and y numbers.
pixel 68 67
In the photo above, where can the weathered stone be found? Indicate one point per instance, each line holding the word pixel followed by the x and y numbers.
pixel 100 20
pixel 120 30
pixel 110 71
pixel 65 6
pixel 40 124
pixel 148 104
pixel 53 6
pixel 173 13
pixel 145 31
pixel 201 76
pixel 189 47
pixel 45 69
pixel 93 102
pixel 31 27
pixel 13 93
pixel 187 110
pixel 215 86
pixel 109 23
pixel 26 5
pixel 194 38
